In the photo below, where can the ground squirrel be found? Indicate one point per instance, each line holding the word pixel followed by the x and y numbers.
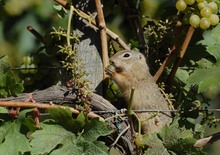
pixel 129 69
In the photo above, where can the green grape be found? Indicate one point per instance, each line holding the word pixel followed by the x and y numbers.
pixel 202 5
pixel 206 12
pixel 213 6
pixel 204 23
pixel 23 69
pixel 114 86
pixel 33 71
pixel 181 5
pixel 26 60
pixel 214 19
pixel 189 2
pixel 194 20
pixel 139 140
pixel 198 1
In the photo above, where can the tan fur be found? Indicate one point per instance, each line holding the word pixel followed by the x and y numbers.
pixel 129 69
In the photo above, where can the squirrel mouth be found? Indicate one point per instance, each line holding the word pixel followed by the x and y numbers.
pixel 110 69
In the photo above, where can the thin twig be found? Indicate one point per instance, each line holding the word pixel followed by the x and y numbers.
pixel 116 140
pixel 102 27
pixel 167 99
pixel 43 106
pixel 182 53
pixel 35 33
pixel 151 111
pixel 170 57
pixel 117 115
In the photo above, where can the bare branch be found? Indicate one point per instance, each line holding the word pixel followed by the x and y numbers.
pixel 43 106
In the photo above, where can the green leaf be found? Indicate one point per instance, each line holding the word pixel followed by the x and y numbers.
pixel 207 80
pixel 4 66
pixel 12 141
pixel 211 37
pixel 3 93
pixel 154 144
pixel 3 110
pixel 178 140
pixel 81 146
pixel 182 75
pixel 60 114
pixel 54 139
pixel 49 138
pixel 214 50
pixel 185 146
pixel 95 128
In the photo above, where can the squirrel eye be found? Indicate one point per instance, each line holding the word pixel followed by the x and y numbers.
pixel 126 55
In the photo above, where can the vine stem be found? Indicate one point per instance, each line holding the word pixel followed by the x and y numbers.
pixel 170 57
pixel 131 113
pixel 182 53
pixel 104 44
pixel 43 106
pixel 69 26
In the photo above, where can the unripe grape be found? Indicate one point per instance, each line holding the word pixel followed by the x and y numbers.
pixel 202 5
pixel 181 5
pixel 24 69
pixel 198 1
pixel 139 140
pixel 214 19
pixel 26 60
pixel 189 2
pixel 213 6
pixel 204 23
pixel 194 20
pixel 33 71
pixel 114 86
pixel 206 12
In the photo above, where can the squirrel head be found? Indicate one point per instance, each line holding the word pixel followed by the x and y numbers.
pixel 126 61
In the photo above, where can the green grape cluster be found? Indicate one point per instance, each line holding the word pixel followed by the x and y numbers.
pixel 203 13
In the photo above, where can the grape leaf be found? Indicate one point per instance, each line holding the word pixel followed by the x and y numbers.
pixel 49 138
pixel 154 144
pixel 214 50
pixel 3 110
pixel 207 80
pixel 94 129
pixel 211 37
pixel 54 139
pixel 57 139
pixel 81 146
pixel 60 114
pixel 10 135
